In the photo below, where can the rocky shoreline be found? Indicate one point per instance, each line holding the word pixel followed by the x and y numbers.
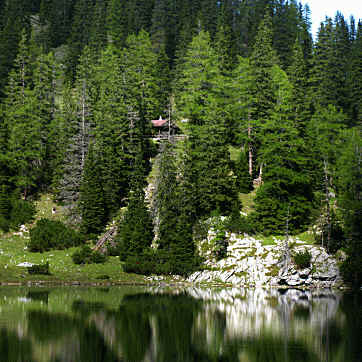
pixel 250 264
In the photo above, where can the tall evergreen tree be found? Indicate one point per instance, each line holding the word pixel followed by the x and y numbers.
pixel 136 230
pixel 298 76
pixel 80 34
pixel 166 198
pixel 262 60
pixel 350 200
pixel 25 147
pixel 112 130
pixel 355 78
pixel 15 20
pixel 78 113
pixel 91 198
pixel 286 193
pixel 199 80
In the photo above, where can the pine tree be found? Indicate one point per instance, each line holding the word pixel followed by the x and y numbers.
pixel 355 78
pixel 16 19
pixel 112 130
pixel 25 147
pixel 80 34
pixel 298 76
pixel 350 200
pixel 286 192
pixel 136 230
pixel 117 23
pixel 141 85
pixel 98 30
pixel 241 109
pixel 262 61
pixel 166 198
pixel 324 133
pixel 46 75
pixel 79 115
pixel 5 207
pixel 199 79
pixel 91 198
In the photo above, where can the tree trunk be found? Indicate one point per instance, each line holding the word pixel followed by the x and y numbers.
pixel 250 149
pixel 326 184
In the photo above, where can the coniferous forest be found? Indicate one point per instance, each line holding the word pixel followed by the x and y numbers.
pixel 82 80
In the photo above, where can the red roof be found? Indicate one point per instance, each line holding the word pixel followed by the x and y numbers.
pixel 159 122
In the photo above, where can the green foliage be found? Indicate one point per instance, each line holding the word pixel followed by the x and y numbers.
pixel 39 269
pixel 85 255
pixel 160 262
pixel 351 270
pixel 5 207
pixel 350 201
pixel 337 235
pixel 302 259
pixel 136 229
pixel 22 212
pixel 220 245
pixel 49 234
pixel 91 200
pixel 241 170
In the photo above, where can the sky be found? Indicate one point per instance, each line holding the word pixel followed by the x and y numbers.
pixel 322 8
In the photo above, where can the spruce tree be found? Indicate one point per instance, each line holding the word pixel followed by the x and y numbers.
pixel 355 78
pixel 298 75
pixel 117 23
pixel 262 61
pixel 350 200
pixel 286 191
pixel 166 198
pixel 199 79
pixel 112 130
pixel 241 109
pixel 5 208
pixel 26 150
pixel 324 135
pixel 91 198
pixel 136 230
pixel 80 115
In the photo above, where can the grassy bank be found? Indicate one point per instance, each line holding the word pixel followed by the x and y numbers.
pixel 13 251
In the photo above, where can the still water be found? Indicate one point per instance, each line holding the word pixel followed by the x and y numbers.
pixel 169 325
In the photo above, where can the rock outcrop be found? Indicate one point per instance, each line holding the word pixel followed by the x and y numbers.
pixel 249 263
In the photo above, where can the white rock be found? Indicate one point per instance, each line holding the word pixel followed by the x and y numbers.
pixel 25 264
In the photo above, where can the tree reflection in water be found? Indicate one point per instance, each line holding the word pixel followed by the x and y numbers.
pixel 192 325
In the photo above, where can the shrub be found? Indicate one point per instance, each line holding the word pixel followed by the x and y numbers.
pixel 22 212
pixel 241 224
pixel 159 262
pixel 51 234
pixel 4 224
pixel 39 269
pixel 302 259
pixel 85 255
pixel 221 244
pixel 338 238
pixel 351 271
pixel 139 264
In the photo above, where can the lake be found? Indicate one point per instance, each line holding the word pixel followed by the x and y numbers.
pixel 168 324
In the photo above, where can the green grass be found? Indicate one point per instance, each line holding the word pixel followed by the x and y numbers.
pixel 268 240
pixel 247 201
pixel 13 252
pixel 306 237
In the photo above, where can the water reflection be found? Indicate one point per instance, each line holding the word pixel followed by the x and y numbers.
pixel 154 324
